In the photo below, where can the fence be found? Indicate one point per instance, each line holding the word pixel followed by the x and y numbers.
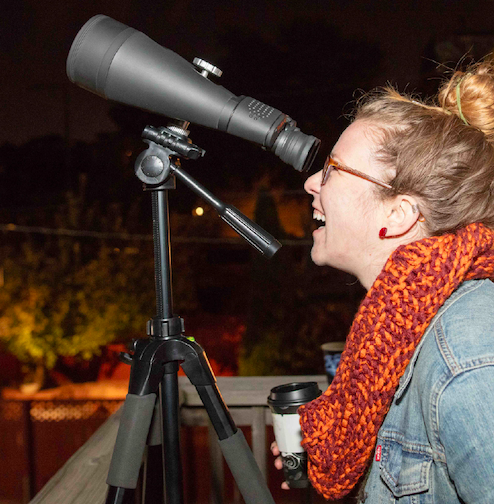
pixel 38 437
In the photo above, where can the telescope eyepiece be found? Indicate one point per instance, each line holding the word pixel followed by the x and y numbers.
pixel 296 148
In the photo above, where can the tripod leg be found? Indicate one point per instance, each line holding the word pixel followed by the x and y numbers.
pixel 153 486
pixel 245 470
pixel 217 471
pixel 164 444
pixel 153 490
pixel 171 435
pixel 236 451
pixel 129 447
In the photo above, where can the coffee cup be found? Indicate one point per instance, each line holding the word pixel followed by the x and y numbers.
pixel 284 401
pixel 332 355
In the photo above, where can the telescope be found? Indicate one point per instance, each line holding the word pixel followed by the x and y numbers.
pixel 122 64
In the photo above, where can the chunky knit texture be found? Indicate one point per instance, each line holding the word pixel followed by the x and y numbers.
pixel 340 427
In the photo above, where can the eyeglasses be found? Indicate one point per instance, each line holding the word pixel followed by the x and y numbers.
pixel 330 165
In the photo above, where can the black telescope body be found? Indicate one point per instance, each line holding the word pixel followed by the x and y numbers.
pixel 122 64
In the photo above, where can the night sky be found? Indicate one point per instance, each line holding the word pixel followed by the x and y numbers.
pixel 38 100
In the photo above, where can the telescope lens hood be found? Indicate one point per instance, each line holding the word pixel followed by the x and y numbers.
pixel 93 50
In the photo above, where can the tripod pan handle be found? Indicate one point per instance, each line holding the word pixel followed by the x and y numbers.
pixel 251 232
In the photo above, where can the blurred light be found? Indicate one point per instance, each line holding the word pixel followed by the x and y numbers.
pixel 198 211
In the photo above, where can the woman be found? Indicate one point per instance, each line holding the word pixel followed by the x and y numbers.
pixel 406 199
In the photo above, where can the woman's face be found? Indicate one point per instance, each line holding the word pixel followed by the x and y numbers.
pixel 349 236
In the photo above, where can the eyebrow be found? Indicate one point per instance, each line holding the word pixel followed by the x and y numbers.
pixel 334 156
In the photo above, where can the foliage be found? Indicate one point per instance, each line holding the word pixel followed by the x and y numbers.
pixel 68 296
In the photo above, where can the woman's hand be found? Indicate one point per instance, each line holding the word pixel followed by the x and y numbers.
pixel 278 463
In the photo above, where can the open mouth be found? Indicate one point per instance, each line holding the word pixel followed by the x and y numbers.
pixel 319 217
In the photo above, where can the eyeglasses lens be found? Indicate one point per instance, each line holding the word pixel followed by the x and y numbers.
pixel 326 171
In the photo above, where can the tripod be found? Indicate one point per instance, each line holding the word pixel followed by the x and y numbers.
pixel 150 413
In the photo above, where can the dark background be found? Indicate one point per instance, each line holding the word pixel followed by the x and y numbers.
pixel 66 165
pixel 309 59
pixel 267 49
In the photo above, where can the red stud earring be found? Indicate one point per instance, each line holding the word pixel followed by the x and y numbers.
pixel 382 233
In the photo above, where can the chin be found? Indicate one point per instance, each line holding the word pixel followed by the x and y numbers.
pixel 323 259
pixel 316 258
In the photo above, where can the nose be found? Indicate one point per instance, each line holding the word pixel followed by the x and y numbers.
pixel 313 183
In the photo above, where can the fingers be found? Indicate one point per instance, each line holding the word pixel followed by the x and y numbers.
pixel 278 463
pixel 274 449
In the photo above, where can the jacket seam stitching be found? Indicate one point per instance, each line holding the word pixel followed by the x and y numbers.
pixel 438 396
pixel 444 348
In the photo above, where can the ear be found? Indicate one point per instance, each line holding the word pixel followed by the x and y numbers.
pixel 402 215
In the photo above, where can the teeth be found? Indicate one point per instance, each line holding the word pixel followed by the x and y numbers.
pixel 317 215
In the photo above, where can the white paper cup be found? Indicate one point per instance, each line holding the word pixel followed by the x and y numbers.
pixel 284 402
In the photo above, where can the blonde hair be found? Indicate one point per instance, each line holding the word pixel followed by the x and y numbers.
pixel 442 150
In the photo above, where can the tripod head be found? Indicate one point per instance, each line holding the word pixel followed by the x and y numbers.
pixel 153 165
pixel 159 164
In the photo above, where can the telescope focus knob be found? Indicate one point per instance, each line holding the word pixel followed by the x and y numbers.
pixel 207 68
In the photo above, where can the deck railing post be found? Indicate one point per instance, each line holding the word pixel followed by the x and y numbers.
pixel 259 438
pixel 29 450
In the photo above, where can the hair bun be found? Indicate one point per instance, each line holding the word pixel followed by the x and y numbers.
pixel 470 96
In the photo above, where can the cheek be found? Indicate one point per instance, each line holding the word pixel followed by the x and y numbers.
pixel 340 204
pixel 350 214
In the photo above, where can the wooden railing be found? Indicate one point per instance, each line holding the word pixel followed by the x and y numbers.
pixel 82 479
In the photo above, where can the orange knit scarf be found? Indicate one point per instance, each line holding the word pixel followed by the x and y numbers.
pixel 341 426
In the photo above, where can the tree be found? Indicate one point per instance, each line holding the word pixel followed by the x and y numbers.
pixel 69 296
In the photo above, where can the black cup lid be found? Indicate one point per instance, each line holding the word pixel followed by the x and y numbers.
pixel 293 394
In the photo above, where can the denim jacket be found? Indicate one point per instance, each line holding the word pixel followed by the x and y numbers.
pixel 436 444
